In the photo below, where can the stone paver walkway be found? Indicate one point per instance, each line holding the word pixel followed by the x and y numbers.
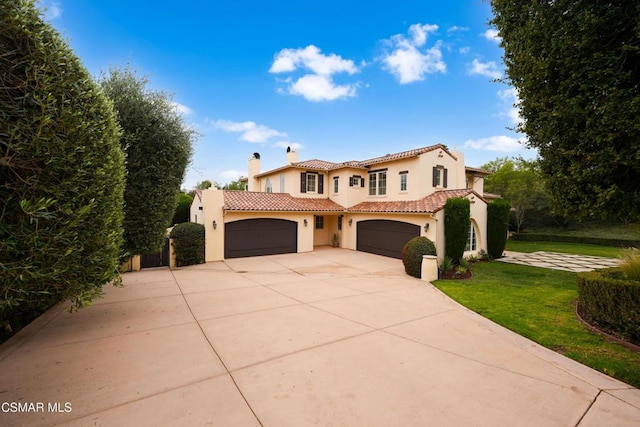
pixel 559 261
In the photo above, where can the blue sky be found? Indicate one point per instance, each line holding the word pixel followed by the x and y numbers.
pixel 336 80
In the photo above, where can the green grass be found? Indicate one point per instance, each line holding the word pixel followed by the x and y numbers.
pixel 570 248
pixel 538 303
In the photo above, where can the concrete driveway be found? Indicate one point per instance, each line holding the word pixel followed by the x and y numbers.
pixel 334 337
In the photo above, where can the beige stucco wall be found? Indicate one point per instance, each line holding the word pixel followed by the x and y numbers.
pixel 212 203
pixel 478 215
pixel 195 211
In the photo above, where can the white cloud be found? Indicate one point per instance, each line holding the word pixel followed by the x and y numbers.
pixel 406 61
pixel 455 28
pixel 317 85
pixel 488 69
pixel 182 109
pixel 312 59
pixel 464 50
pixel 502 143
pixel 510 100
pixel 250 131
pixel 284 144
pixel 51 9
pixel 492 34
pixel 419 33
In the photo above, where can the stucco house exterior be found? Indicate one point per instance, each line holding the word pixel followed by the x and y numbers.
pixel 374 205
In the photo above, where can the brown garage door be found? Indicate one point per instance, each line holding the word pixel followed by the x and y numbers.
pixel 262 236
pixel 385 237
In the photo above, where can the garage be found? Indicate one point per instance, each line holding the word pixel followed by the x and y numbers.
pixel 385 237
pixel 262 236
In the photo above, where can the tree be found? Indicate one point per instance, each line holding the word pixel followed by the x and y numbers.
pixel 235 185
pixel 521 183
pixel 182 212
pixel 457 214
pixel 158 146
pixel 203 185
pixel 497 227
pixel 61 171
pixel 576 67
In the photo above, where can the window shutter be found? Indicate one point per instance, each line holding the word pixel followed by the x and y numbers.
pixel 444 179
pixel 362 182
pixel 320 184
pixel 435 176
pixel 303 182
pixel 351 181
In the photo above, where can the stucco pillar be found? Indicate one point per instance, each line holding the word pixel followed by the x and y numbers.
pixel 212 204
pixel 429 271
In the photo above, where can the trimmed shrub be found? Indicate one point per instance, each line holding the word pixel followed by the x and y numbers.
pixel 497 227
pixel 412 254
pixel 183 209
pixel 538 237
pixel 608 299
pixel 188 242
pixel 62 174
pixel 457 212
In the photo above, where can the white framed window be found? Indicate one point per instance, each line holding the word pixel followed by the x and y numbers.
pixel 439 176
pixel 378 183
pixel 311 182
pixel 472 241
pixel 282 183
pixel 335 185
pixel 268 187
pixel 403 181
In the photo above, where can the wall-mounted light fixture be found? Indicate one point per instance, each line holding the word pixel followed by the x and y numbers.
pixel 440 154
pixel 426 227
pixel 351 221
pixel 215 225
pixel 305 222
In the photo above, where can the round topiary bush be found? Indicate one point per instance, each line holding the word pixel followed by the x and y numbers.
pixel 412 254
pixel 188 243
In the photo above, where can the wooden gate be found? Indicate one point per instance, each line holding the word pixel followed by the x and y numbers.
pixel 159 259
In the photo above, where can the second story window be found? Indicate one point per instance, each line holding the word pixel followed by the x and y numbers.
pixel 403 180
pixel 335 185
pixel 268 186
pixel 311 182
pixel 378 183
pixel 439 176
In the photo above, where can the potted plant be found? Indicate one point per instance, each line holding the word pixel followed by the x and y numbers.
pixel 335 240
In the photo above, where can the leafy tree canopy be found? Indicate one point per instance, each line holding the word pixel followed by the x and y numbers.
pixel 521 183
pixel 158 146
pixel 576 67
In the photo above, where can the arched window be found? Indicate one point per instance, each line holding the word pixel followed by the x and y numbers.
pixel 472 241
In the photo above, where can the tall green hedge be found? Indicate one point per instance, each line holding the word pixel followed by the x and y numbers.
pixel 412 254
pixel 183 209
pixel 61 171
pixel 457 214
pixel 497 227
pixel 188 243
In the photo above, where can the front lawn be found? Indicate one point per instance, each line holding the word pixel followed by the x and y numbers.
pixel 538 303
pixel 570 248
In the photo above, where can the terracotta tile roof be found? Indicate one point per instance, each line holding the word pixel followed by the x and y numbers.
pixel 258 201
pixel 315 164
pixel 324 165
pixel 477 170
pixel 432 203
pixel 405 154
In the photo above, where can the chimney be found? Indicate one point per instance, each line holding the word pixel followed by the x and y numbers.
pixel 292 156
pixel 254 169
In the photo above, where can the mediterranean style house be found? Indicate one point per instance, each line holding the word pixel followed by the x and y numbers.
pixel 373 205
